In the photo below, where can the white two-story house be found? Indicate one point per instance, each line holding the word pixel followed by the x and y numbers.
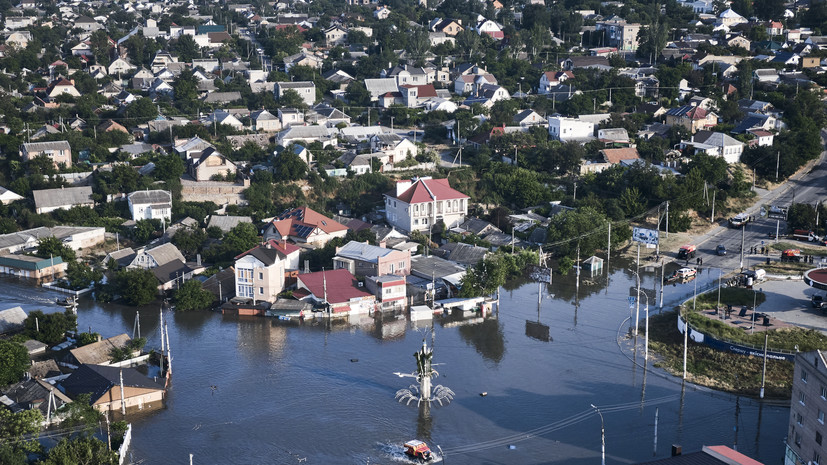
pixel 416 204
pixel 150 205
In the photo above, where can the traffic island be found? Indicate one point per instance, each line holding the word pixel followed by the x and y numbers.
pixel 736 372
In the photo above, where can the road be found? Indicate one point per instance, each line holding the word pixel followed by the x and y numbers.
pixel 806 186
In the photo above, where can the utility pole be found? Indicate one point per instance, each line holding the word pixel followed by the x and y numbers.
pixel 743 231
pixel 667 219
pixel 161 330
pixel 764 370
pixel 713 206
pixel 602 437
pixel 123 401
pixel 637 301
pixel 777 160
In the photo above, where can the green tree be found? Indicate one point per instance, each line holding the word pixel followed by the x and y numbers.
pixel 84 339
pixel 291 99
pixel 16 430
pixel 52 247
pixel 190 296
pixel 142 110
pixel 168 168
pixel 14 361
pixel 80 450
pixel 492 272
pixel 241 238
pixel 145 229
pixel 289 167
pixel 357 94
pixel 136 286
pixel 80 275
pixel 49 328
pixel 185 86
pixel 187 48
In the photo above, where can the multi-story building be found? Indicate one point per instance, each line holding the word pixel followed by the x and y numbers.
pixel 304 225
pixel 805 440
pixel 305 89
pixel 260 272
pixel 619 33
pixel 59 151
pixel 363 259
pixel 150 205
pixel 569 129
pixel 416 204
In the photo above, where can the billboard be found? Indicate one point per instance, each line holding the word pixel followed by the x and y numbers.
pixel 645 236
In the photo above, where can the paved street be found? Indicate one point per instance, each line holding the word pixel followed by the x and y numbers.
pixel 789 301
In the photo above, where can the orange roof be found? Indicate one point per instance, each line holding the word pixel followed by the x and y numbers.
pixel 615 156
pixel 733 455
pixel 299 222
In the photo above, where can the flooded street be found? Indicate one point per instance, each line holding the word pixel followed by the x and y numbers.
pixel 259 390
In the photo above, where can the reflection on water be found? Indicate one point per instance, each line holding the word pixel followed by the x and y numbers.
pixel 324 390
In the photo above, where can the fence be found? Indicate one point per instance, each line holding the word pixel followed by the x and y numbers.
pixel 729 346
pixel 127 438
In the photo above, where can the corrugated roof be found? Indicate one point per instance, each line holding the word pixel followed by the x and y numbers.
pixel 99 379
pixel 363 252
pixel 226 223
pixel 27 262
pixel 166 253
pixel 615 156
pixel 339 285
pixel 11 319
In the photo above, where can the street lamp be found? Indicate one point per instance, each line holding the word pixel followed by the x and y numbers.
pixel 637 302
pixel 646 329
pixel 602 437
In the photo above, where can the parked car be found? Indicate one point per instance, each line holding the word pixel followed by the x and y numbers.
pixel 818 301
pixel 721 249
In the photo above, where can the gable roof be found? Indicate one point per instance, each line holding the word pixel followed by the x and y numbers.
pixel 300 222
pixel 688 111
pixel 338 285
pixel 426 190
pixel 363 252
pixel 97 380
pixel 152 197
pixel 270 252
pixel 98 352
pixel 615 156
pixel 11 319
pixel 165 253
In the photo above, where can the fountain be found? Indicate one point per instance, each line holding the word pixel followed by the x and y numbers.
pixel 424 392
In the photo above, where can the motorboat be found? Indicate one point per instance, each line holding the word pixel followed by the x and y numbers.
pixel 66 301
pixel 419 450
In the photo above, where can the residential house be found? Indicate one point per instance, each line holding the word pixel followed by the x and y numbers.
pixel 290 117
pixel 87 24
pixel 754 120
pixel 691 118
pixel 227 222
pixel 775 28
pixel 27 266
pixel 62 86
pixel 98 353
pixel 337 290
pixel 716 144
pixel 381 12
pixel 486 26
pixel 528 118
pixel 150 205
pixel 471 83
pixel 492 93
pixel 211 163
pixel 306 135
pixel 304 225
pixel 74 237
pixel 305 89
pixel 36 394
pixel 567 129
pixel 110 125
pixel 805 442
pixel 390 291
pixel 551 79
pixel 64 198
pixel 586 62
pixel 619 33
pixel 18 39
pixel 611 157
pixel 810 62
pixel 106 384
pixel 59 151
pixel 11 320
pixel 303 154
pixel 323 113
pixel 396 147
pixel 161 255
pixel 264 121
pixel 7 196
pixel 708 455
pixel 260 272
pixel 729 19
pixel 766 76
pixel 415 96
pixel 303 59
pixel 120 66
pixel 335 35
pixel 465 255
pixel 416 204
pixel 762 138
pixel 191 148
pixel 380 86
pixel 363 259
pixel 226 118
pixel 449 27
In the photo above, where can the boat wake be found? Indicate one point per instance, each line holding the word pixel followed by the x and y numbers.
pixel 396 453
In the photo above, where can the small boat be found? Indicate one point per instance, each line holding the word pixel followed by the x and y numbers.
pixel 418 450
pixel 66 301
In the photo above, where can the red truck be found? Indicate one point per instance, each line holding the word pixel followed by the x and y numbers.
pixel 807 235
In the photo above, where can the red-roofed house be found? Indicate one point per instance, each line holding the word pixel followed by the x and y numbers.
pixel 260 271
pixel 303 225
pixel 611 157
pixel 417 204
pixel 339 289
pixel 692 118
pixel 551 79
pixel 417 95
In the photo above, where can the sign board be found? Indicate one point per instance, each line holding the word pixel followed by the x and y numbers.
pixel 645 236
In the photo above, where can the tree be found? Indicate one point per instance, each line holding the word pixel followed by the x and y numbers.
pixel 49 328
pixel 80 275
pixel 84 339
pixel 190 296
pixel 14 360
pixel 185 86
pixel 769 9
pixel 142 110
pixel 291 99
pixel 136 286
pixel 99 42
pixel 289 166
pixel 15 428
pixel 80 450
pixel 52 247
pixel 144 229
pixel 357 94
pixel 187 48
pixel 652 40
pixel 241 238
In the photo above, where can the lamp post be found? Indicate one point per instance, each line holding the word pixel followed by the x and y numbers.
pixel 637 301
pixel 602 437
pixel 646 329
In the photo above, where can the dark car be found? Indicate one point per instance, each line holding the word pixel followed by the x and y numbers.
pixel 721 249
pixel 818 301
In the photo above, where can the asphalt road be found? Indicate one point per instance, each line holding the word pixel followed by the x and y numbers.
pixel 806 186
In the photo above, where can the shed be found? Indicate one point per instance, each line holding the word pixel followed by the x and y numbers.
pixel 35 347
pixel 593 264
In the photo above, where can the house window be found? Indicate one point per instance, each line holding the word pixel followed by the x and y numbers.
pixel 798 418
pixel 424 221
pixel 416 222
pixel 802 398
pixel 391 268
pixel 388 290
pixel 260 275
pixel 818 438
pixel 803 376
pixel 823 392
pixel 820 416
pixel 401 265
pixel 260 291
pixel 816 457
pixel 798 439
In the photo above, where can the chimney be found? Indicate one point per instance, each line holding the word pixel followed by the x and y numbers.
pixel 99 337
pixel 676 450
pixel 383 244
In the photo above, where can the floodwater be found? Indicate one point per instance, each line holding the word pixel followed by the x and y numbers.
pixel 259 390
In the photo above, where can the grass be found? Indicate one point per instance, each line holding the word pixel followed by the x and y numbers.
pixel 718 370
pixel 735 296
pixel 805 247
